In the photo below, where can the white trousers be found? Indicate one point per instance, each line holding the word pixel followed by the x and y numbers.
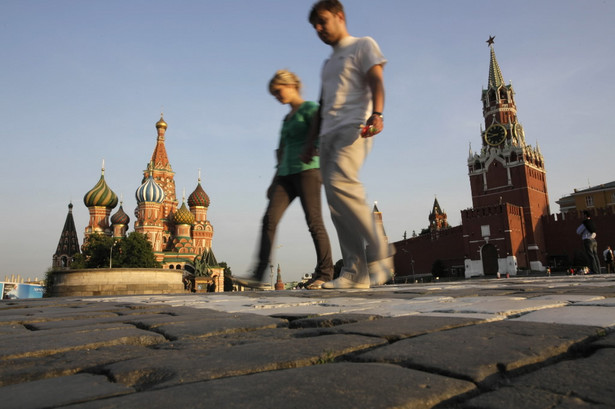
pixel 342 155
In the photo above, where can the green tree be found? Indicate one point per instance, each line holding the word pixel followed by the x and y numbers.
pixel 134 251
pixel 101 251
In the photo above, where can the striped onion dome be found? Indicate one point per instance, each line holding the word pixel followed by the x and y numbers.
pixel 183 215
pixel 120 217
pixel 198 197
pixel 150 191
pixel 101 194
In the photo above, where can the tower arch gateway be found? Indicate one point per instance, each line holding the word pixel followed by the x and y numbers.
pixel 489 258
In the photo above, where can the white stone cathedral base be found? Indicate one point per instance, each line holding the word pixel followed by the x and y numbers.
pixel 116 281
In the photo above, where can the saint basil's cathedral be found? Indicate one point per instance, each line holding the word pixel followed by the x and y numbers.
pixel 178 234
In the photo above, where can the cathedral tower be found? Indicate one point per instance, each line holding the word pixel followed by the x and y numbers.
pixel 150 198
pixel 100 200
pixel 161 171
pixel 68 245
pixel 119 223
pixel 202 231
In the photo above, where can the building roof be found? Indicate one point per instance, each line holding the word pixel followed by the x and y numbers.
pixel 597 188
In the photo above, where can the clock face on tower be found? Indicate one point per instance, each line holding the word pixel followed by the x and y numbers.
pixel 495 135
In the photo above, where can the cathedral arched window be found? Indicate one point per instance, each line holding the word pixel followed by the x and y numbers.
pixel 171 266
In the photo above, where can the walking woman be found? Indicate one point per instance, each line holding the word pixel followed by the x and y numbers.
pixel 293 178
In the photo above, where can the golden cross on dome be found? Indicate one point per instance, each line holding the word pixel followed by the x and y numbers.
pixel 490 41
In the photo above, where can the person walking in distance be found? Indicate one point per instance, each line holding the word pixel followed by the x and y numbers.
pixel 608 259
pixel 293 178
pixel 351 113
pixel 587 230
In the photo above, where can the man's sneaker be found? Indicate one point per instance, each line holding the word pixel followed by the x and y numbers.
pixel 344 282
pixel 381 271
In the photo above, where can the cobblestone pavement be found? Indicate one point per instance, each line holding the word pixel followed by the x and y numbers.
pixel 510 343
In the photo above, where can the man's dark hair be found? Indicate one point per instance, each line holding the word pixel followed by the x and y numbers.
pixel 332 6
pixel 586 213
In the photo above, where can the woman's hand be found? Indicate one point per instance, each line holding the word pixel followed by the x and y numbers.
pixel 309 151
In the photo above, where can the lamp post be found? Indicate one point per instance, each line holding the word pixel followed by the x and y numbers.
pixel 111 254
pixel 271 274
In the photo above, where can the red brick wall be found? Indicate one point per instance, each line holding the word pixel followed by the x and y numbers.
pixel 446 245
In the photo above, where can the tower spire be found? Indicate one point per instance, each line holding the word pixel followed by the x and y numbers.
pixel 496 79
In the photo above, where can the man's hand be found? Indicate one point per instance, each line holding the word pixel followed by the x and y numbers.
pixel 373 126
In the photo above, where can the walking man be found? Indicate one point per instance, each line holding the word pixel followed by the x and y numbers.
pixel 351 113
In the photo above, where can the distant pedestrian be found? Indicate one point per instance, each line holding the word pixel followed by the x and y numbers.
pixel 608 259
pixel 587 230
pixel 352 101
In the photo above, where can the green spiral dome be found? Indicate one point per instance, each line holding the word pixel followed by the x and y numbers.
pixel 101 195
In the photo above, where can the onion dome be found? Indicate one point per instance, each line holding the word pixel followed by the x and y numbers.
pixel 161 123
pixel 183 215
pixel 198 197
pixel 120 217
pixel 101 194
pixel 150 191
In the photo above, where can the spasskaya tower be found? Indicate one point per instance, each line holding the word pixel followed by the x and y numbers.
pixel 509 188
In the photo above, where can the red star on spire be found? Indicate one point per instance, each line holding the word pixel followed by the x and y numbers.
pixel 490 41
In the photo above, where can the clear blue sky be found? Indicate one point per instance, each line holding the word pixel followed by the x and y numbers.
pixel 84 81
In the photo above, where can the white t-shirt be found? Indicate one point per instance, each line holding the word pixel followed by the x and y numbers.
pixel 346 96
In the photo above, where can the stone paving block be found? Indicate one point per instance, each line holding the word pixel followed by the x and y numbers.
pixel 603 302
pixel 151 322
pixel 528 398
pixel 578 377
pixel 231 339
pixel 482 352
pixel 34 316
pixel 208 327
pixel 88 322
pixel 50 393
pixel 499 305
pixel 607 341
pixel 326 321
pixel 579 299
pixel 168 367
pixel 12 330
pixel 373 386
pixel 574 315
pixel 29 369
pixel 41 343
pixel 397 328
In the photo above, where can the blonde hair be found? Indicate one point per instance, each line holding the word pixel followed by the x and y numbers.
pixel 285 77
